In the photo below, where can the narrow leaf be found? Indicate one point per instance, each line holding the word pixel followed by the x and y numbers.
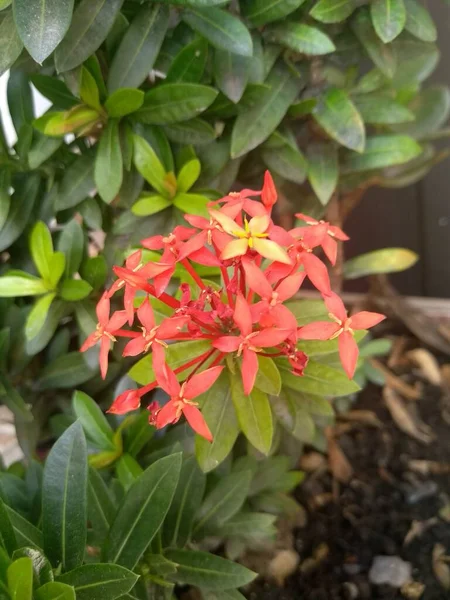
pixel 10 43
pixel 260 12
pixel 387 260
pixel 95 581
pixel 388 18
pixel 93 421
pixel 323 170
pixel 108 172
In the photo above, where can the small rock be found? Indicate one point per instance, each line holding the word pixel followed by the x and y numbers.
pixel 391 570
pixel 352 568
pixel 351 590
pixel 413 590
pixel 282 565
pixel 427 489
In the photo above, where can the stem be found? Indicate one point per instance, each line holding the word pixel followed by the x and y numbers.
pixel 172 302
pixel 217 360
pixel 193 273
pixel 333 216
pixel 242 279
pixel 210 353
pixel 226 282
pixel 127 334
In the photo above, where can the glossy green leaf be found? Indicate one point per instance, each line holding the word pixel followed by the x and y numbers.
pixel 71 244
pixel 260 12
pixel 382 151
pixel 42 24
pixel 387 260
pixel 65 372
pixel 301 38
pixel 254 415
pixel 388 18
pixel 323 171
pixel 188 175
pixel 55 90
pixel 337 115
pixel 41 149
pixel 108 172
pixel 26 533
pixel 286 160
pixel 194 3
pixel 419 21
pixel 64 499
pixel 10 43
pixel 415 60
pixel 38 315
pixel 231 73
pixel 321 348
pixel 194 131
pixel 149 166
pixel 220 415
pixel 189 64
pixel 430 109
pixel 173 102
pixel 77 183
pixel 127 470
pixel 268 378
pixel 20 579
pixel 294 417
pixel 124 102
pixel 57 266
pixel 221 29
pixel 89 91
pixel 60 123
pixel 377 109
pixel 54 590
pixel 381 54
pixel 7 536
pixel 207 570
pixel 20 100
pixel 100 581
pixel 73 290
pixel 142 512
pixel 150 204
pixel 194 204
pixel 101 508
pixel 22 203
pixel 332 11
pixel 139 48
pixel 42 569
pixel 5 196
pixel 90 25
pixel 13 400
pixel 21 285
pixel 188 496
pixel 318 379
pixel 176 355
pixel 94 271
pixel 41 248
pixel 54 316
pixel 93 421
pixel 254 126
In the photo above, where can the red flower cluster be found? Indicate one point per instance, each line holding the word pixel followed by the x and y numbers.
pixel 262 266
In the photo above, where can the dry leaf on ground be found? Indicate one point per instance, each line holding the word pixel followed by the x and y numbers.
pixel 427 363
pixel 365 417
pixel 338 463
pixel 440 567
pixel 405 419
pixel 410 392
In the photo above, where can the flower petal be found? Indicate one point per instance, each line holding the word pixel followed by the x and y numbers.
pixel 235 248
pixel 271 250
pixel 290 286
pixel 228 224
pixel 153 243
pixel 167 415
pixel 197 421
pixel 256 280
pixel 320 330
pixel 128 303
pixel 337 233
pixel 126 402
pixel 196 221
pixel 307 219
pixel 145 315
pixel 166 378
pixel 117 320
pixel 204 257
pixel 135 347
pixel 228 343
pixel 89 342
pixel 249 370
pixel 317 272
pixel 335 306
pixel 103 356
pixel 269 192
pixel 102 309
pixel 348 353
pixel 259 224
pixel 242 315
pixel 365 319
pixel 330 248
pixel 283 318
pixel 270 337
pixel 171 327
pixel 201 382
pixel 280 236
pixel 133 260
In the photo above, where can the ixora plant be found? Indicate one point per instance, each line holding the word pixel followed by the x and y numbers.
pixel 238 336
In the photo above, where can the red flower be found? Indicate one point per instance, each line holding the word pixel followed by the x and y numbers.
pixel 343 327
pixel 182 398
pixel 249 342
pixel 328 243
pixel 125 402
pixel 105 330
pixel 236 202
pixel 269 192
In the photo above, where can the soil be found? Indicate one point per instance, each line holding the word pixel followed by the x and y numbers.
pixel 373 514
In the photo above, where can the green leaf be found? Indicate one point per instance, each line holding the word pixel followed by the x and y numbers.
pixel 222 502
pixel 77 183
pixel 176 355
pixel 42 569
pixel 14 401
pixel 388 18
pixel 20 579
pixel 419 21
pixel 100 581
pixel 323 170
pixel 251 128
pixel 20 100
pixel 268 378
pixel 173 102
pixel 249 524
pixel 431 109
pixel 218 411
pixel 54 590
pixel 377 109
pixel 41 149
pixel 150 204
pixel 94 270
pixel 73 290
pixel 254 415
pixel 26 533
pixel 193 204
pixel 71 244
pixel 294 417
pixel 65 372
pixel 54 315
pixel 148 164
pixel 382 151
pixel 7 536
pixel 337 115
pixel 260 12
pixel 318 379
pixel 378 347
pixel 231 73
pixel 22 203
pixel 41 248
pixel 208 571
pixel 188 496
pixel 381 54
pixel 136 55
pixel 93 421
pixel 10 43
pixel 142 512
pixel 42 24
pixel 415 60
pixel 21 285
pixel 90 25
pixel 188 175
pixel 54 90
pixel 301 38
pixel 5 196
pixel 189 64
pixel 108 172
pixel 387 260
pixel 101 509
pixel 38 315
pixel 195 131
pixel 194 3
pixel 128 470
pixel 64 499
pixel 57 266
pixel 221 29
pixel 286 160
pixel 332 11
pixel 59 123
pixel 124 102
pixel 89 92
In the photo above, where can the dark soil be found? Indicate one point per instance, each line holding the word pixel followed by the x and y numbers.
pixel 373 514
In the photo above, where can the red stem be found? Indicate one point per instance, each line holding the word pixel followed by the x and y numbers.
pixel 126 333
pixel 193 273
pixel 217 360
pixel 211 352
